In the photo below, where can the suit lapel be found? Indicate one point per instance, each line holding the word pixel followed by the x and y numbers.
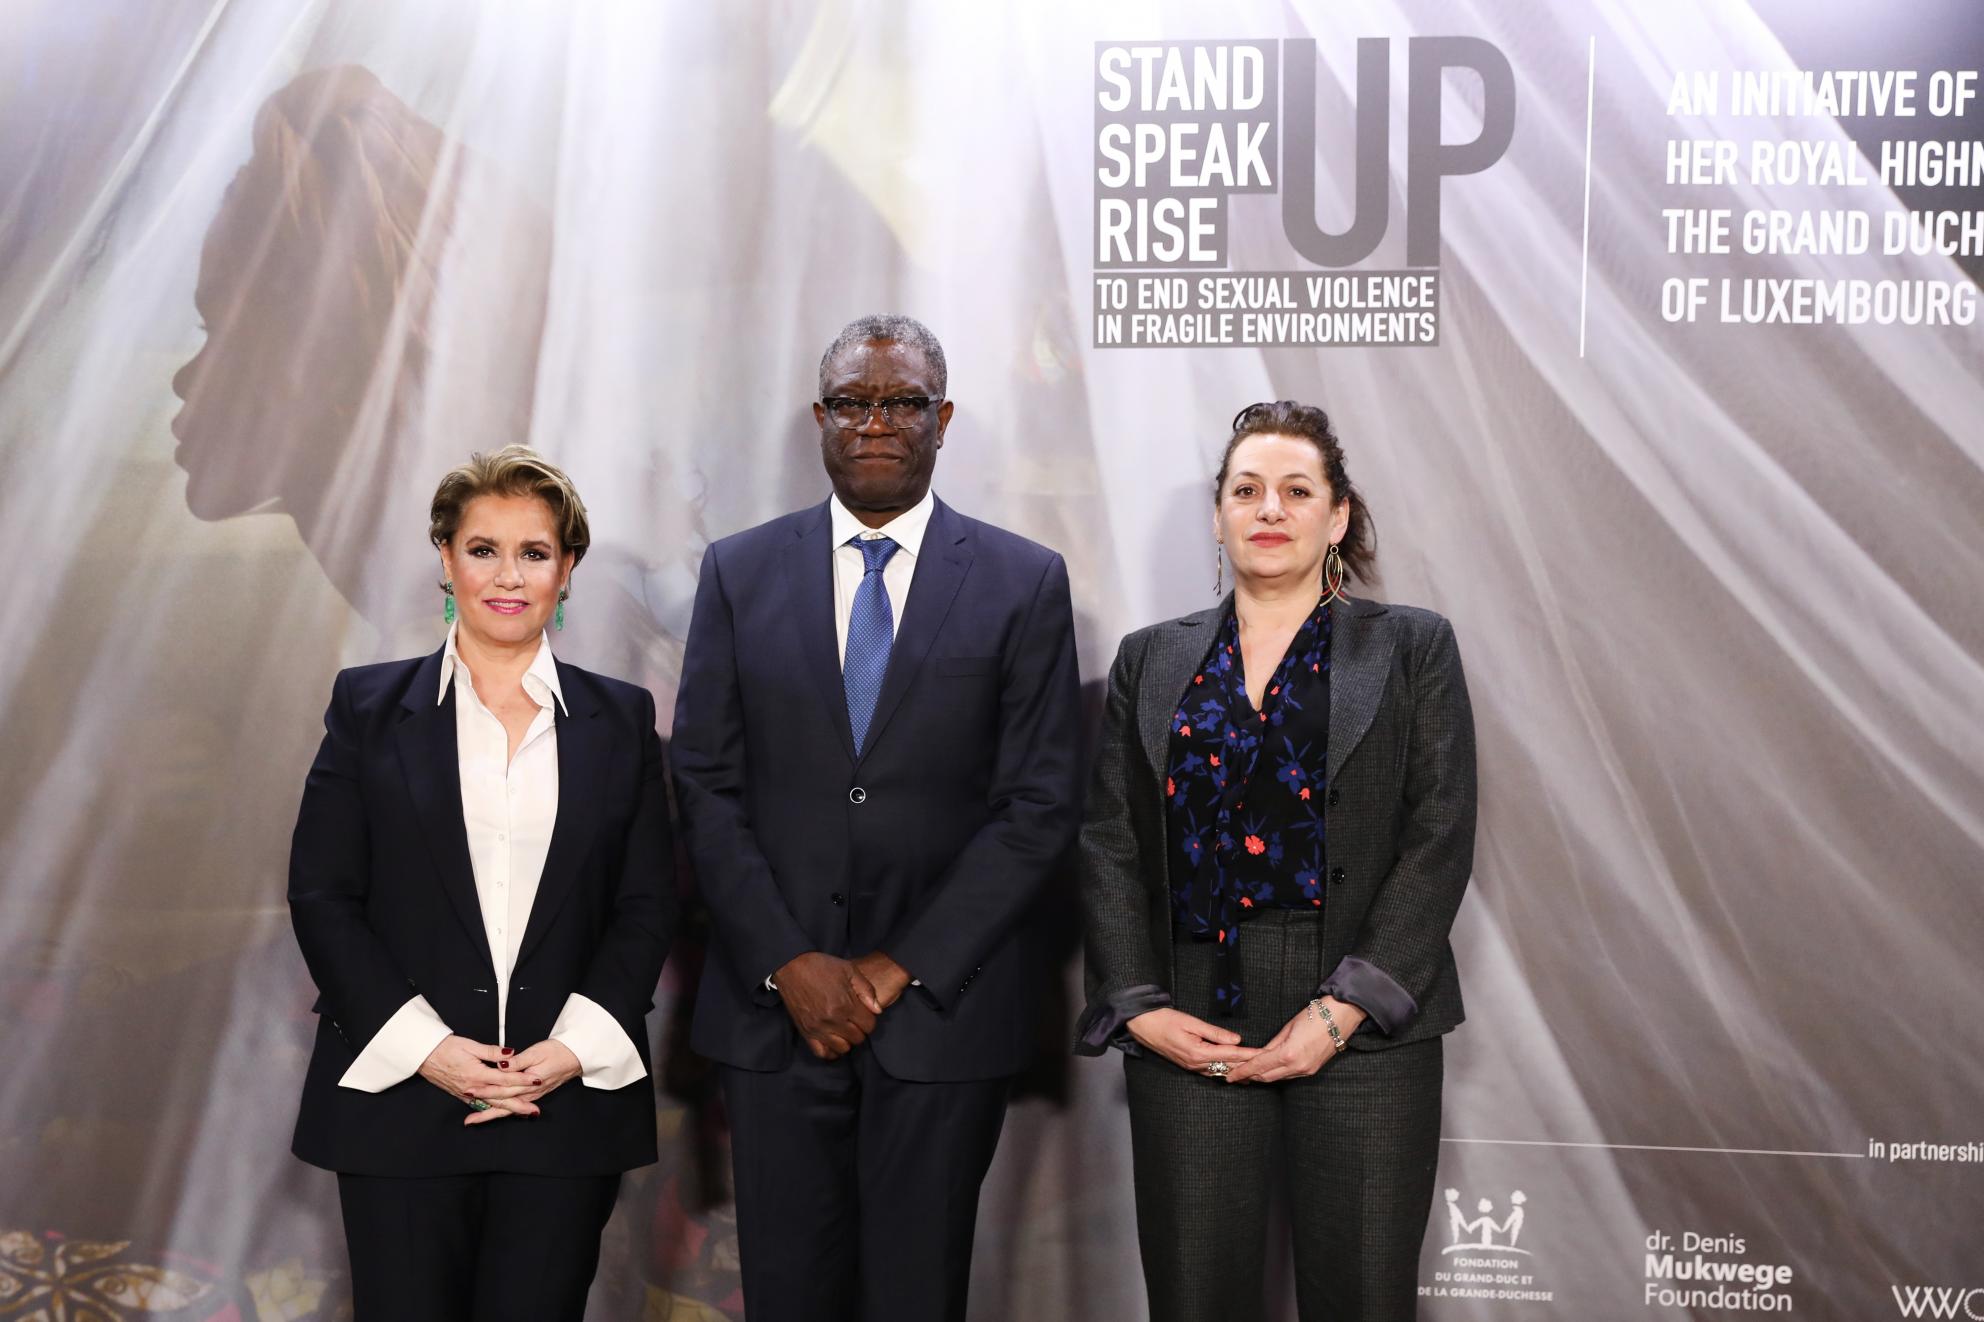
pixel 1170 661
pixel 1174 654
pixel 940 571
pixel 1361 642
pixel 584 741
pixel 809 580
pixel 428 755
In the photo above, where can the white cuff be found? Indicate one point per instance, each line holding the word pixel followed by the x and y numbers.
pixel 607 1056
pixel 397 1051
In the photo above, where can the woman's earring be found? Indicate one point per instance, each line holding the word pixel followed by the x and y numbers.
pixel 448 605
pixel 1332 575
pixel 558 620
pixel 1219 569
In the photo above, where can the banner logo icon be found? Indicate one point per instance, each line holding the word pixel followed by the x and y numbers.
pixel 1953 1301
pixel 1482 1231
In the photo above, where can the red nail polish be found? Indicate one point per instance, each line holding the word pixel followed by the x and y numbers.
pixel 502 1064
pixel 509 1051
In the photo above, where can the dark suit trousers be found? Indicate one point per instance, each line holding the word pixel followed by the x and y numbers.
pixel 1355 1148
pixel 474 1248
pixel 857 1192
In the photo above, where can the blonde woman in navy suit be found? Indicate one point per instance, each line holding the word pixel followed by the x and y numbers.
pixel 480 883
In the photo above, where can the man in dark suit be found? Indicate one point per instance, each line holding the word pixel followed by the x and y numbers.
pixel 875 754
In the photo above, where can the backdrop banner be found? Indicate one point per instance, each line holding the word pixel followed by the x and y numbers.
pixel 1652 334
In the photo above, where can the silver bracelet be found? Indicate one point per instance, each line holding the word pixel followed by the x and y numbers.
pixel 1322 1012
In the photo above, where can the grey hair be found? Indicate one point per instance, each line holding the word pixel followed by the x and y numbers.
pixel 893 327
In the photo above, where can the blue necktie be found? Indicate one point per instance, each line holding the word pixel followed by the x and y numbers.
pixel 871 633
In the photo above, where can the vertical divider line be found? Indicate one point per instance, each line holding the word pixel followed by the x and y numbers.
pixel 1584 261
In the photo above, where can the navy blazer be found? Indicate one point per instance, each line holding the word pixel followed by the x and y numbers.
pixel 933 843
pixel 383 899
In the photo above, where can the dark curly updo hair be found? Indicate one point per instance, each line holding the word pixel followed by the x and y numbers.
pixel 1285 417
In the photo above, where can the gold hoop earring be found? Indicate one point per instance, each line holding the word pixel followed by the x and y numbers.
pixel 1332 575
pixel 1219 569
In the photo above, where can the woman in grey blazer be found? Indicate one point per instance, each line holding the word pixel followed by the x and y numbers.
pixel 1278 835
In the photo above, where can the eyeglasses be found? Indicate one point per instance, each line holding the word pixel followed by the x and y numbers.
pixel 899 414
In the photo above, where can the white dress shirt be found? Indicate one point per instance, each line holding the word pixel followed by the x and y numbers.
pixel 905 530
pixel 509 807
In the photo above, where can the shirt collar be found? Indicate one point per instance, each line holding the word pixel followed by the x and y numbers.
pixel 905 529
pixel 540 681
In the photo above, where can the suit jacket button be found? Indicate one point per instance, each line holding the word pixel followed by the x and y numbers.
pixel 1334 796
pixel 857 795
pixel 838 898
pixel 1336 876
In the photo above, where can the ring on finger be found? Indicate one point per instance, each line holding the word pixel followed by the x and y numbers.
pixel 477 1104
pixel 1218 1069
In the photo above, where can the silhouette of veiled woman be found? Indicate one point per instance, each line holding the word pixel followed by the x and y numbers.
pixel 373 296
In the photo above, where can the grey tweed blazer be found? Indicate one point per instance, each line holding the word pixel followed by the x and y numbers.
pixel 1399 811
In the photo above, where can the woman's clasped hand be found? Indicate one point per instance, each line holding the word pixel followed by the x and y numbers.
pixel 1187 1041
pixel 509 1081
pixel 1302 1047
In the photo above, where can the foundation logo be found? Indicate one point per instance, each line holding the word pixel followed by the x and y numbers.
pixel 1714 1273
pixel 1483 1232
pixel 1955 1301
pixel 1484 1257
pixel 1184 130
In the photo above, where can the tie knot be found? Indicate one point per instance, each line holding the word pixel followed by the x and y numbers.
pixel 875 551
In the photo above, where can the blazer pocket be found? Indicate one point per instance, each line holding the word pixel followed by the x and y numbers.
pixel 967 665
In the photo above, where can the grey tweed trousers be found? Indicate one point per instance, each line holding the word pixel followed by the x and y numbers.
pixel 1355 1148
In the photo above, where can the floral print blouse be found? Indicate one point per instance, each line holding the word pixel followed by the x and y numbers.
pixel 1244 792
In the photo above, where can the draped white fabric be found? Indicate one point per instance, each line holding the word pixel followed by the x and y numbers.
pixel 1715 586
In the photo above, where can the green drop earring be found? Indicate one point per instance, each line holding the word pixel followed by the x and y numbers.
pixel 558 620
pixel 448 605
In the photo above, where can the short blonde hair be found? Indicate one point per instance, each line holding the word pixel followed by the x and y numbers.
pixel 514 470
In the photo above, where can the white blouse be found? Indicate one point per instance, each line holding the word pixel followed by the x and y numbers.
pixel 509 806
